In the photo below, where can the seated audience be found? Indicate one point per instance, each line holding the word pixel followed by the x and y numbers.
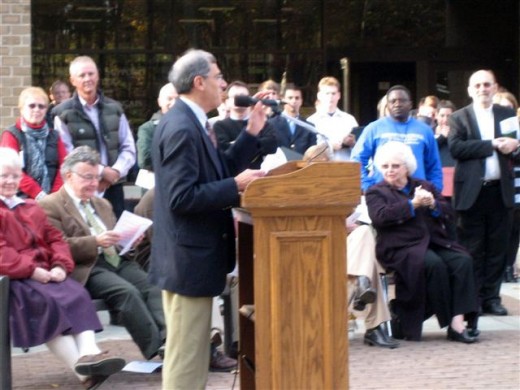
pixel 45 304
pixel 362 268
pixel 433 273
pixel 87 222
pixel 39 145
pixel 362 264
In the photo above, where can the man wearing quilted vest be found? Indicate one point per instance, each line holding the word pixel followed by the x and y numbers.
pixel 92 119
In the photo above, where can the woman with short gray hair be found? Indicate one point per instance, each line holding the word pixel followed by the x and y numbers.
pixel 433 273
pixel 46 305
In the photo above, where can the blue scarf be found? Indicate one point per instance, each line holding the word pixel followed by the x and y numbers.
pixel 36 143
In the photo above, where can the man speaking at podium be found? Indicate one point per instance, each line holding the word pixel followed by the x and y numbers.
pixel 193 245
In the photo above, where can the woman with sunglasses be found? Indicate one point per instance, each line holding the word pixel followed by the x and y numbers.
pixel 39 146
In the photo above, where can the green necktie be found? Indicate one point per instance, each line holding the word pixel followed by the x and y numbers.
pixel 110 253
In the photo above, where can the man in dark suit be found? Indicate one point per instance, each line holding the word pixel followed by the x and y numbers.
pixel 193 244
pixel 483 184
pixel 87 222
pixel 288 133
pixel 228 129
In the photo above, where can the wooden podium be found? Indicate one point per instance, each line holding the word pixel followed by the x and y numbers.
pixel 292 268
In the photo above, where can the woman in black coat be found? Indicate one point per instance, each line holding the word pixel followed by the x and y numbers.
pixel 433 273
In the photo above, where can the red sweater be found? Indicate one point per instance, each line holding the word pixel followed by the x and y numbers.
pixel 28 185
pixel 28 240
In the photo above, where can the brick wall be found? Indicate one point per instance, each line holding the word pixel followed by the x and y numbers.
pixel 15 56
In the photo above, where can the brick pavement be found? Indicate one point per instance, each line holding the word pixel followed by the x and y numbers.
pixel 434 363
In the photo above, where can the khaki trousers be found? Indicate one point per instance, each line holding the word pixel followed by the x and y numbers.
pixel 186 358
pixel 361 261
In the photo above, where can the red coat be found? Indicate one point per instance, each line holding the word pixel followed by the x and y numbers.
pixel 28 185
pixel 28 240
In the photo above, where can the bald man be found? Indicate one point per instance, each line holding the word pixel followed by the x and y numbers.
pixel 484 183
pixel 166 100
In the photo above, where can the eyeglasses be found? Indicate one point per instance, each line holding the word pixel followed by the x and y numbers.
pixel 393 166
pixel 218 77
pixel 12 176
pixel 88 177
pixel 484 85
pixel 32 106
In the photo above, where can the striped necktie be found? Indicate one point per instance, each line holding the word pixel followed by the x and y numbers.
pixel 110 253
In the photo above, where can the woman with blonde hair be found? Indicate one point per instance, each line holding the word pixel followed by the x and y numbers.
pixel 40 146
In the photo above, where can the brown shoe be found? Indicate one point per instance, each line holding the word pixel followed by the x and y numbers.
pixel 221 363
pixel 101 364
pixel 93 382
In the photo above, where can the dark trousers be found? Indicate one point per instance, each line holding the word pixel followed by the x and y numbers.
pixel 116 196
pixel 514 238
pixel 127 291
pixel 484 230
pixel 450 284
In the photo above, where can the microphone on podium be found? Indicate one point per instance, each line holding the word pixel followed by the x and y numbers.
pixel 247 101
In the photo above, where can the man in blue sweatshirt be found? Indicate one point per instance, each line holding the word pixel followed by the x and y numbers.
pixel 398 126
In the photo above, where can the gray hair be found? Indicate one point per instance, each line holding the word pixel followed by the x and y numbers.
pixel 80 60
pixel 192 64
pixel 396 150
pixel 81 154
pixel 10 158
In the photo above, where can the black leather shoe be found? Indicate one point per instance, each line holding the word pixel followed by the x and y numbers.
pixel 364 294
pixel 378 337
pixel 463 337
pixel 473 332
pixel 495 309
pixel 395 322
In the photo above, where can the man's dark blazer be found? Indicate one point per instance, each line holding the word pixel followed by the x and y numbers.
pixel 193 244
pixel 300 141
pixel 227 130
pixel 470 152
pixel 64 215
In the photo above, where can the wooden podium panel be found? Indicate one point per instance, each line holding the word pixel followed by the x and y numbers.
pixel 296 268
